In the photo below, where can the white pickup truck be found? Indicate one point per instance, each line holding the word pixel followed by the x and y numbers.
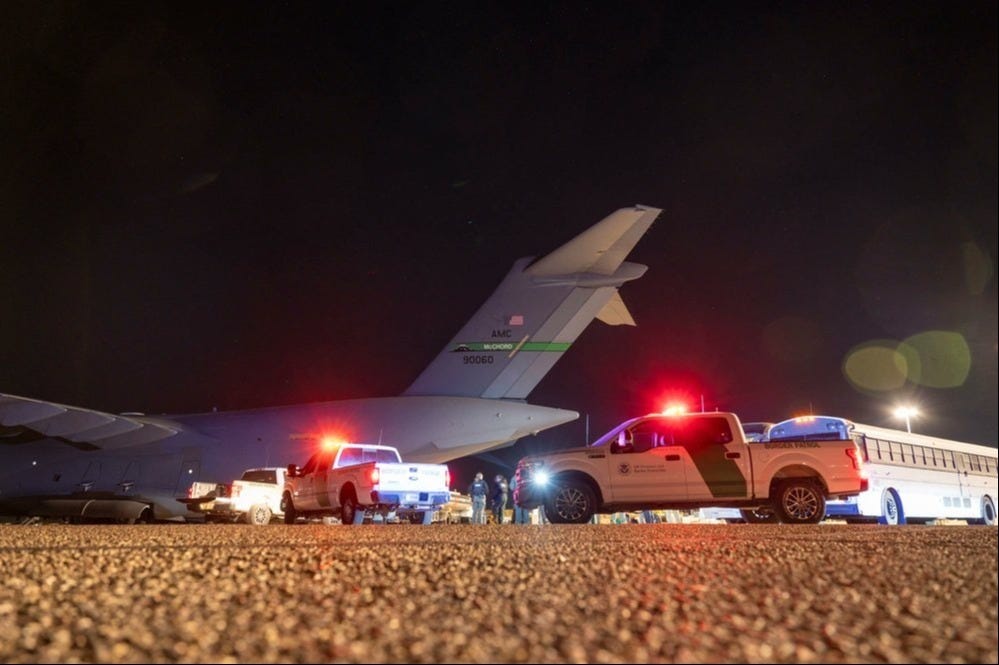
pixel 255 498
pixel 690 461
pixel 351 480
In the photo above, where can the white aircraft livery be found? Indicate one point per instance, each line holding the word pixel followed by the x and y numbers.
pixel 59 460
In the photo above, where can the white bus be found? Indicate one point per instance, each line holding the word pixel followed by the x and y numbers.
pixel 911 477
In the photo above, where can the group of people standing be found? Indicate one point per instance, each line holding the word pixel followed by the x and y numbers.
pixel 497 499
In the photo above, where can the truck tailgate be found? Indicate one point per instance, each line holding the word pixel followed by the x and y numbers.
pixel 401 478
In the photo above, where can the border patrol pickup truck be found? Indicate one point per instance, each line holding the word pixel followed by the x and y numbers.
pixel 352 479
pixel 690 461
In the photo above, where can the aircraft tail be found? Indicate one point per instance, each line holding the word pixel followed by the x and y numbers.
pixel 538 311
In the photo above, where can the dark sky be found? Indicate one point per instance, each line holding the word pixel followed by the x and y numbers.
pixel 242 204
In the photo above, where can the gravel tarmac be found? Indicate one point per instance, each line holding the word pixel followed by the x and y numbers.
pixel 500 593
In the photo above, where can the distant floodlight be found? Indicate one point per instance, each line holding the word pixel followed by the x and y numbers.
pixel 907 413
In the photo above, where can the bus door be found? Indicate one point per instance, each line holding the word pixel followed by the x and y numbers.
pixel 645 466
pixel 718 466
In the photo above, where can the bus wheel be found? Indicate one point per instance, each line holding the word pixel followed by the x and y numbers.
pixel 891 508
pixel 800 501
pixel 988 511
pixel 762 515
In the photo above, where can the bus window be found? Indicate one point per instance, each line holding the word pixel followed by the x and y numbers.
pixel 861 442
pixel 879 452
pixel 895 452
pixel 949 458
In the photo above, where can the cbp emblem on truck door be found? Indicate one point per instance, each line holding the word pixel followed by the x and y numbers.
pixel 624 469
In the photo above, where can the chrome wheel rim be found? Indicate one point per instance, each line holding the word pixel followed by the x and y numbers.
pixel 800 503
pixel 891 509
pixel 570 503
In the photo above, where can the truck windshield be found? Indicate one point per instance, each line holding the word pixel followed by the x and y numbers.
pixel 352 456
pixel 642 434
pixel 811 428
pixel 261 476
pixel 380 455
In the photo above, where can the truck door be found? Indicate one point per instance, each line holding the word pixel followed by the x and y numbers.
pixel 305 492
pixel 645 465
pixel 717 462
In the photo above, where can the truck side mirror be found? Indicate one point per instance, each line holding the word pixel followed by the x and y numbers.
pixel 292 470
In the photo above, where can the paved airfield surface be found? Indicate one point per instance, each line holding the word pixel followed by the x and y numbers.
pixel 403 593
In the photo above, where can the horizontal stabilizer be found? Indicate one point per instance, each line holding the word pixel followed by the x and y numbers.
pixel 601 248
pixel 615 312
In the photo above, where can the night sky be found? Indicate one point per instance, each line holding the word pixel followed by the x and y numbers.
pixel 238 205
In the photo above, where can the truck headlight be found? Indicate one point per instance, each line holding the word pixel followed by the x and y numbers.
pixel 541 478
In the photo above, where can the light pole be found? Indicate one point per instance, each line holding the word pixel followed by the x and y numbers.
pixel 907 412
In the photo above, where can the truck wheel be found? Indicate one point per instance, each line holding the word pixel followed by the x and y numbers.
pixel 571 502
pixel 761 515
pixel 258 514
pixel 800 502
pixel 288 508
pixel 348 509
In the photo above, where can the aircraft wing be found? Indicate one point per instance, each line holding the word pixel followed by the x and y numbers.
pixel 24 420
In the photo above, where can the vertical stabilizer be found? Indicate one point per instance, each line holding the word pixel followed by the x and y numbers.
pixel 538 311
